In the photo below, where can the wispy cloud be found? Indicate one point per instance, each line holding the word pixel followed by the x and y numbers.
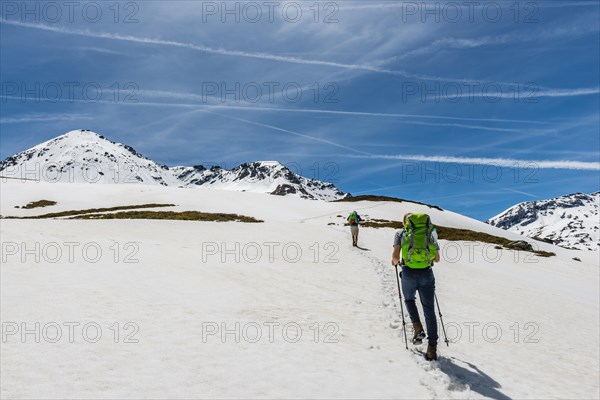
pixel 254 107
pixel 226 106
pixel 101 50
pixel 481 127
pixel 493 40
pixel 257 55
pixel 43 118
pixel 500 162
pixel 201 99
pixel 302 135
pixel 410 5
pixel 532 92
pixel 204 49
pixel 521 192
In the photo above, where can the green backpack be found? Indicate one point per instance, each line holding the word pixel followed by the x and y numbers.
pixel 418 247
pixel 352 218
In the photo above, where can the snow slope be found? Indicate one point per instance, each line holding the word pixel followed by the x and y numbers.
pixel 82 156
pixel 187 281
pixel 570 221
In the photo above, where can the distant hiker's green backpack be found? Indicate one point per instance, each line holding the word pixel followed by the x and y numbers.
pixel 418 247
pixel 352 218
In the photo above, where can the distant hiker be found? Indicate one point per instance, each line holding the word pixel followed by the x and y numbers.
pixel 416 249
pixel 354 219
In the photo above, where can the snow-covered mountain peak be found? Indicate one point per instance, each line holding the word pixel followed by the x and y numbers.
pixel 260 176
pixel 85 138
pixel 571 221
pixel 82 134
pixel 85 156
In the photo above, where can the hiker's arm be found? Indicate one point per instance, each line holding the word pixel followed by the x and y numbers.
pixel 396 255
pixel 437 253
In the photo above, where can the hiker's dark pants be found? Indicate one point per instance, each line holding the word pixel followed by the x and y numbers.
pixel 422 281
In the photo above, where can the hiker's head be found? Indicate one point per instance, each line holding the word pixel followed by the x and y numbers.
pixel 406 216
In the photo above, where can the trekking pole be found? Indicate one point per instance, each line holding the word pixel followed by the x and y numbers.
pixel 402 307
pixel 441 320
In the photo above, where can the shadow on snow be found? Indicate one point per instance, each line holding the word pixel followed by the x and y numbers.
pixel 477 380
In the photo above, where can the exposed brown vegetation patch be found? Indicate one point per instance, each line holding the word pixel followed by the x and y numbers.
pixel 38 204
pixel 92 210
pixel 172 215
pixel 371 197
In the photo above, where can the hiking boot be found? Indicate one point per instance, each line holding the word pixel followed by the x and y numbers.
pixel 418 333
pixel 431 353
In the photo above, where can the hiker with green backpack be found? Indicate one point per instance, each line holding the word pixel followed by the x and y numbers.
pixel 416 250
pixel 354 219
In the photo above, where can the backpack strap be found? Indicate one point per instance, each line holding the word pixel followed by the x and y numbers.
pixel 427 238
pixel 411 235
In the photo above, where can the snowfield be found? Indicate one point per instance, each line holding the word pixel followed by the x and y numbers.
pixel 281 309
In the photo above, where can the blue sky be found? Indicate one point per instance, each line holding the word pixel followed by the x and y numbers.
pixel 473 108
